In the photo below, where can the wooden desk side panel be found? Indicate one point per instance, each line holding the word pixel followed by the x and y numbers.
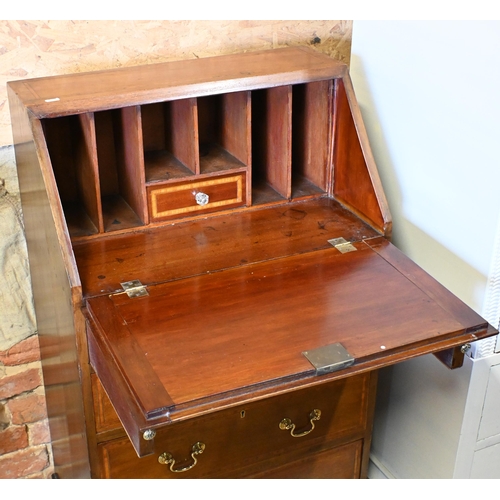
pixel 56 287
pixel 370 413
pixel 357 183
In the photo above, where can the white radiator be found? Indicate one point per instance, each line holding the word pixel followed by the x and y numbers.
pixel 491 308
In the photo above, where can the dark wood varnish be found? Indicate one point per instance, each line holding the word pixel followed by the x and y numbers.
pixel 56 287
pixel 110 164
pixel 342 462
pixel 106 418
pixel 344 406
pixel 198 246
pixel 220 323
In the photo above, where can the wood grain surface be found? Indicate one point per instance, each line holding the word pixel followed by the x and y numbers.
pixel 217 333
pixel 68 94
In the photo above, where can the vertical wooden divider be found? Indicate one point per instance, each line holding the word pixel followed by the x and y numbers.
pixel 236 131
pixel 311 134
pixel 87 171
pixel 182 132
pixel 130 167
pixel 249 142
pixel 271 139
pixel 279 159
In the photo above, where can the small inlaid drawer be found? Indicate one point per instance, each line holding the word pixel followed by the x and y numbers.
pixel 182 199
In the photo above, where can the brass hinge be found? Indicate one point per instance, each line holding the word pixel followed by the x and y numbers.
pixel 342 245
pixel 134 288
pixel 329 358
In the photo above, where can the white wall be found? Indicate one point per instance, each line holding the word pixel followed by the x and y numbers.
pixel 430 96
pixel 429 93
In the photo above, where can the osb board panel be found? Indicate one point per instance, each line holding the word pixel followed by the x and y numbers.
pixel 30 49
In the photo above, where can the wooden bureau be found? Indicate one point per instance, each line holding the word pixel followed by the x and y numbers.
pixel 214 282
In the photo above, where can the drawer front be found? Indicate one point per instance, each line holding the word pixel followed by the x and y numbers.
pixel 245 439
pixel 106 418
pixel 342 462
pixel 186 198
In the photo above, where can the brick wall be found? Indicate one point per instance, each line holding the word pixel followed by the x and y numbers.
pixel 24 431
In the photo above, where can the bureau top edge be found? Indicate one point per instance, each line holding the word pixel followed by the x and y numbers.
pixel 120 87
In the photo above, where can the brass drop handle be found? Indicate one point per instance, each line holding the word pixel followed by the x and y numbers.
pixel 287 425
pixel 167 458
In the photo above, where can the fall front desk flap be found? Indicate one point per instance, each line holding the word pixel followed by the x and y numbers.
pixel 217 339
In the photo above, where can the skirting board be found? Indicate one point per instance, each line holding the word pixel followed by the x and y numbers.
pixel 376 470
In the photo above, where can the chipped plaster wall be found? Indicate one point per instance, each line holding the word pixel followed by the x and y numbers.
pixel 30 49
pixel 16 309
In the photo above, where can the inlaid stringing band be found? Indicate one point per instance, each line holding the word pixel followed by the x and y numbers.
pixel 196 185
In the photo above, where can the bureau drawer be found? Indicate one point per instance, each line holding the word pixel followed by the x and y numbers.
pixel 105 415
pixel 342 462
pixel 247 438
pixel 186 198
